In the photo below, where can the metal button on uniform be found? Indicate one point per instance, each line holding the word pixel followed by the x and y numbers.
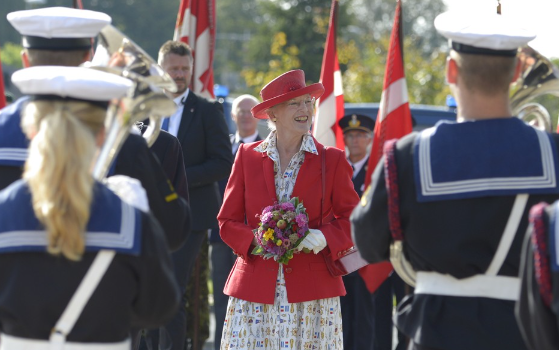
pixel 288 270
pixel 339 253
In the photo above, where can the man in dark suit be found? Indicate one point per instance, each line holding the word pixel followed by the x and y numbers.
pixel 221 255
pixel 201 129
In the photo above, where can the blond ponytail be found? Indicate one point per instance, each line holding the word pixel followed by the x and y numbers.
pixel 58 169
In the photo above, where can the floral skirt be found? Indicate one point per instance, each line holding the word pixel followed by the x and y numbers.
pixel 313 325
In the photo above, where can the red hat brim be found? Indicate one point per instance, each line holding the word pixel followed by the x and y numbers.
pixel 259 111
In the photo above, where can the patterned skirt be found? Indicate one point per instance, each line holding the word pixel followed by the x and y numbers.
pixel 312 325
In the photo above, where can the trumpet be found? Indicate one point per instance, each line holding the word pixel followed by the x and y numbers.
pixel 117 54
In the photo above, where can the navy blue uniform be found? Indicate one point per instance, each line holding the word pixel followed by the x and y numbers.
pixel 457 184
pixel 138 289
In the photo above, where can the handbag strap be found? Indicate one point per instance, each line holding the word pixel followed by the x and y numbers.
pixel 81 296
pixel 323 183
pixel 391 178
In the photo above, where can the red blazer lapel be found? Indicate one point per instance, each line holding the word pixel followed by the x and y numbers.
pixel 269 176
pixel 309 174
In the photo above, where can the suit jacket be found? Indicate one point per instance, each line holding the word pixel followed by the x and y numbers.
pixel 137 161
pixel 251 188
pixel 359 179
pixel 204 138
pixel 214 235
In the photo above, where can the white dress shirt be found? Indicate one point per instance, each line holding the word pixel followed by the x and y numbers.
pixel 175 119
pixel 357 166
pixel 247 139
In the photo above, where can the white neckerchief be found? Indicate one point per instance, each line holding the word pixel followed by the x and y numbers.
pixel 358 165
pixel 175 119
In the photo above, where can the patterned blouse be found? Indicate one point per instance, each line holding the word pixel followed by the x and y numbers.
pixel 286 182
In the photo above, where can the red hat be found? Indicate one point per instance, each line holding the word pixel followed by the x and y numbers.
pixel 285 87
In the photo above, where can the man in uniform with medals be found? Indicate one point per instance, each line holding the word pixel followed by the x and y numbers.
pixel 455 197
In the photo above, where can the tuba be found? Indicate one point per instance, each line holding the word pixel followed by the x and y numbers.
pixel 117 54
pixel 538 77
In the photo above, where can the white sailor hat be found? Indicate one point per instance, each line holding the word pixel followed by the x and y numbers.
pixel 73 83
pixel 483 34
pixel 58 28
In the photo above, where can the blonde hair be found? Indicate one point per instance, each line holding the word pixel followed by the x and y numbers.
pixel 58 169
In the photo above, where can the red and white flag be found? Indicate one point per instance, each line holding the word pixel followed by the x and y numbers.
pixel 196 27
pixel 331 103
pixel 393 121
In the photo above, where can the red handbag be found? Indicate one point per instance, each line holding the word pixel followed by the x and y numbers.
pixel 350 260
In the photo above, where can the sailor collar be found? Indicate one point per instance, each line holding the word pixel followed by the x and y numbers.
pixel 13 142
pixel 483 158
pixel 113 224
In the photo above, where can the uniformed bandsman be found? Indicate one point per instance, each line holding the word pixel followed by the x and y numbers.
pixel 458 197
pixel 60 36
pixel 79 267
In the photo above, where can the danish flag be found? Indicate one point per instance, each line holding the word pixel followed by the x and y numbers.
pixel 331 103
pixel 196 27
pixel 393 121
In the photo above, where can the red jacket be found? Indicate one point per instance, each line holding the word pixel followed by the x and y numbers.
pixel 250 189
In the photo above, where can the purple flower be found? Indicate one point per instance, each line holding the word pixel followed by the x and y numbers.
pixel 301 220
pixel 266 216
pixel 287 206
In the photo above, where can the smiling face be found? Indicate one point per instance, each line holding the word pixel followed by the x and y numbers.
pixel 294 116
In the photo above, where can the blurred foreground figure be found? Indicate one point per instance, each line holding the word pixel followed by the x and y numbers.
pixel 456 196
pixel 79 267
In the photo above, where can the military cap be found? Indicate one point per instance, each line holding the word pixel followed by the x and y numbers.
pixel 356 122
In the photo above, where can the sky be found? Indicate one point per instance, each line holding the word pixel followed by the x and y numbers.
pixel 537 15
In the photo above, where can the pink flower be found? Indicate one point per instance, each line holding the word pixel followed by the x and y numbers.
pixel 301 219
pixel 287 206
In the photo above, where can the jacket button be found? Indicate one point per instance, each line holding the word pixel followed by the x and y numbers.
pixel 339 254
pixel 288 270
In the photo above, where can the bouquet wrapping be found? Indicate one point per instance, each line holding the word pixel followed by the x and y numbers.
pixel 282 227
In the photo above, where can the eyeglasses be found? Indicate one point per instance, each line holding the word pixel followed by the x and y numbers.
pixel 359 136
pixel 294 104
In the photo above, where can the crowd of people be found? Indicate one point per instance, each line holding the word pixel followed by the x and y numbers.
pixel 465 210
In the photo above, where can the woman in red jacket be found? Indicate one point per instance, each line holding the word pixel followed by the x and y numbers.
pixel 293 306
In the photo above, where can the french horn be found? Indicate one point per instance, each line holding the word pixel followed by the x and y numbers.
pixel 538 77
pixel 117 54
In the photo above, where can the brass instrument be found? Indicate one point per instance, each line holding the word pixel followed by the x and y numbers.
pixel 538 77
pixel 117 54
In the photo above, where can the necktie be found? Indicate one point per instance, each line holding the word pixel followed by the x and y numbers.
pixel 165 125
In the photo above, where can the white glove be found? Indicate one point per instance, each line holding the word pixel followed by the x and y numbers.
pixel 129 190
pixel 314 241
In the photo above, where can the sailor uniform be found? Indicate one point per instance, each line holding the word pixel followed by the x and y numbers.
pixel 13 144
pixel 137 290
pixel 457 184
pixel 134 160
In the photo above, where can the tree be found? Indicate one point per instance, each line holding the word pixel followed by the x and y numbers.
pixel 364 74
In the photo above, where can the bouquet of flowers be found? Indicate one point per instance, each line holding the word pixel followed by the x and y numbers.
pixel 282 227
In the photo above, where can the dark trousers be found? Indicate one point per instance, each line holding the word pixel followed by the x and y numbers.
pixel 173 335
pixel 383 308
pixel 357 314
pixel 222 259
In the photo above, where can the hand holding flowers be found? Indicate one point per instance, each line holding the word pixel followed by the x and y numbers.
pixel 282 227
